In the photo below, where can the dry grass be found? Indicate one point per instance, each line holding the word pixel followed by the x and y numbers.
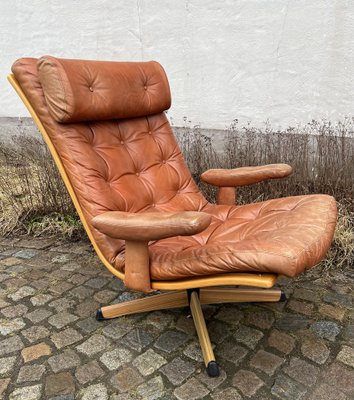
pixel 33 198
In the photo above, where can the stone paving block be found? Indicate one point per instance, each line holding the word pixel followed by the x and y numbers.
pixel 59 384
pixel 292 323
pixel 34 352
pixel 218 331
pixel 262 319
pixel 287 389
pixel 338 299
pixel 9 261
pixel 138 339
pixel 65 338
pixel 35 333
pixel 8 326
pixel 126 379
pixel 78 279
pixel 266 362
pixel 65 360
pixel 116 358
pixel 230 314
pixel 211 383
pixel 31 373
pixel 94 392
pixel 24 291
pixel 191 390
pixel 97 283
pixel 306 294
pixel 159 319
pixel 88 372
pixel 41 299
pixel 149 362
pixel 226 394
pixel 27 393
pixel 302 371
pixel 326 329
pixel 230 350
pixel 6 365
pixel 14 311
pixel 248 336
pixel 346 356
pixel 60 288
pixel 81 292
pixel 4 383
pixel 95 344
pixel 87 308
pixel 38 315
pixel 26 254
pixel 62 304
pixel 152 389
pixel 247 382
pixel 117 328
pixel 348 333
pixel 62 319
pixel 89 325
pixel 193 352
pixel 105 296
pixel 326 392
pixel 281 341
pixel 178 370
pixel 333 312
pixel 341 377
pixel 11 345
pixel 170 341
pixel 301 307
pixel 315 350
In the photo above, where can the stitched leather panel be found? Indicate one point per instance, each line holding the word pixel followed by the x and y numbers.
pixel 81 90
pixel 135 165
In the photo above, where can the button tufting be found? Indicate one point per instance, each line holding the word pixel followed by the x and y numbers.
pixel 163 161
pixel 153 204
pixel 145 87
pixel 121 142
pixel 137 174
pixel 150 133
pixel 91 89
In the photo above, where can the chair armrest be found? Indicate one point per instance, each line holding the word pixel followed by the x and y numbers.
pixel 245 175
pixel 137 229
pixel 150 225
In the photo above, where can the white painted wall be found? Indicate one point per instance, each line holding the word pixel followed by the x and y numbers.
pixel 284 60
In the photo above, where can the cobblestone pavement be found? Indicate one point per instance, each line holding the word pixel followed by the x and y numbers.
pixel 51 346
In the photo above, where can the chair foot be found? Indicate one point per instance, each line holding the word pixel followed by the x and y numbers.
pixel 282 297
pixel 213 369
pixel 99 315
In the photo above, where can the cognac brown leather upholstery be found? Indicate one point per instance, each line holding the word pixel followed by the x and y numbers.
pixel 245 175
pixel 95 90
pixel 150 225
pixel 134 165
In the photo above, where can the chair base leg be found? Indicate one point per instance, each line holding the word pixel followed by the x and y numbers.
pixel 162 301
pixel 203 335
pixel 194 298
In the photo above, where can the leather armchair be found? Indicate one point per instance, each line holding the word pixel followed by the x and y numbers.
pixel 105 126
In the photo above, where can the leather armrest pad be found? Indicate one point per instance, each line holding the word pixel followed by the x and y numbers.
pixel 150 225
pixel 245 175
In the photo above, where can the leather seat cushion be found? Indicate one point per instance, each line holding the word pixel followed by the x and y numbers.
pixel 284 236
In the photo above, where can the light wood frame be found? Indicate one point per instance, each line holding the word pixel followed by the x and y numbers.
pixel 182 292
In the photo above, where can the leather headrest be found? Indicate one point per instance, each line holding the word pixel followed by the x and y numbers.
pixel 82 90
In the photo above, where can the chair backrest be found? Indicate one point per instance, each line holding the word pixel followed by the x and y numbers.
pixel 107 124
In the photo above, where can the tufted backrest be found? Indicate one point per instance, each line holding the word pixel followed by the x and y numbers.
pixel 130 164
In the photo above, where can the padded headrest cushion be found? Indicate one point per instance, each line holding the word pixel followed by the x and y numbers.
pixel 82 90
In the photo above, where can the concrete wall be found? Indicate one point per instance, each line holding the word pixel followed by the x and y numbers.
pixel 284 60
